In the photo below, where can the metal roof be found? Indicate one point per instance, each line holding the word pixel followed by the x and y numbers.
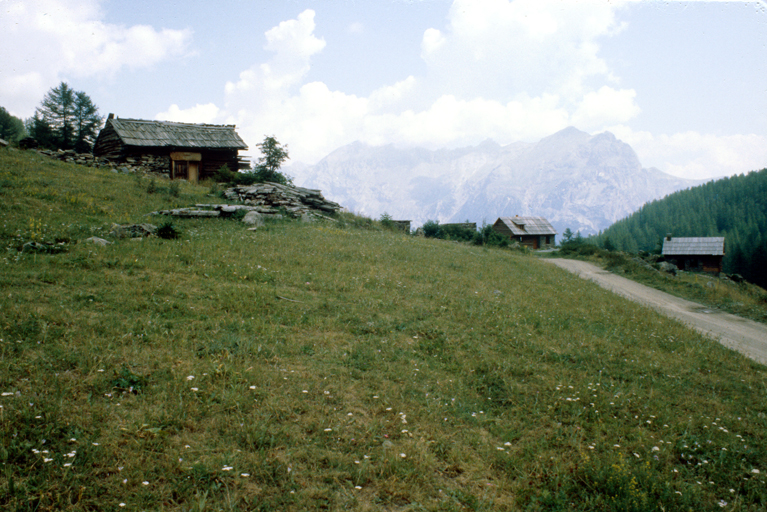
pixel 528 225
pixel 709 246
pixel 138 132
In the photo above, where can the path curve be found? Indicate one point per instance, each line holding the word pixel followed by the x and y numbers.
pixel 746 336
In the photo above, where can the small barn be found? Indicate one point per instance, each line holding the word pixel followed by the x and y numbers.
pixel 695 253
pixel 532 232
pixel 184 151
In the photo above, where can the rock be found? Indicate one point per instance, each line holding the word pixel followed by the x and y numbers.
pixel 295 200
pixel 253 218
pixel 3 143
pixel 665 266
pixel 307 218
pixel 132 230
pixel 98 241
pixel 43 248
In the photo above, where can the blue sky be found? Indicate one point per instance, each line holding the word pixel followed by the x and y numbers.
pixel 685 83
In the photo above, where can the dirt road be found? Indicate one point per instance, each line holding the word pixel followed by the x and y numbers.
pixel 745 336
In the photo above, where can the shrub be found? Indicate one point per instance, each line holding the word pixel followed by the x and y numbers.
pixel 225 175
pixel 459 233
pixel 167 231
pixel 386 221
pixel 432 229
pixel 488 236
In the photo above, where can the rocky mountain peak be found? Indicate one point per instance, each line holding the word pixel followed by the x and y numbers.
pixel 572 178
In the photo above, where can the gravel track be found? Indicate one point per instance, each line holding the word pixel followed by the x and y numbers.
pixel 746 336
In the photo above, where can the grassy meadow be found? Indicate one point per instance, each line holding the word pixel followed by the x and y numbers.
pixel 338 365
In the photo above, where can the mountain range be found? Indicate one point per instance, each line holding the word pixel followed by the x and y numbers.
pixel 575 180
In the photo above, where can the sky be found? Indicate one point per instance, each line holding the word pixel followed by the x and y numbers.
pixel 683 82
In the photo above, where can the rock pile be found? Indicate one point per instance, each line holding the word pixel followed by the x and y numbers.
pixel 267 199
pixel 295 200
pixel 73 157
pixel 140 163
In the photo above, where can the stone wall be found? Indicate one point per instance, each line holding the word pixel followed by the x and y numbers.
pixel 156 164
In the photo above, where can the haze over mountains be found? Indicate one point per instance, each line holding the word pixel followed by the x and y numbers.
pixel 573 179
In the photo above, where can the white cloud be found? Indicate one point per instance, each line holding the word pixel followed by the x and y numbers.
pixel 504 70
pixel 498 48
pixel 207 113
pixel 697 155
pixel 500 69
pixel 42 41
pixel 604 107
pixel 293 43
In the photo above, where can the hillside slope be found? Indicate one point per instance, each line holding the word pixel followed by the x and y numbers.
pixel 340 366
pixel 573 179
pixel 735 208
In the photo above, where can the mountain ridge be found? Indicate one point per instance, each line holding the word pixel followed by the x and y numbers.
pixel 574 179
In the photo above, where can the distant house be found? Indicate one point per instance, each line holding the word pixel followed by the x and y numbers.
pixel 533 232
pixel 184 151
pixel 697 253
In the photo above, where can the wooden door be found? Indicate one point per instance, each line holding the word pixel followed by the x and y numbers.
pixel 192 170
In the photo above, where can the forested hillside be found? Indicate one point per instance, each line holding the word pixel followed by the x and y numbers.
pixel 735 208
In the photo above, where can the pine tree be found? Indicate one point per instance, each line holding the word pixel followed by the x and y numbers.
pixel 66 119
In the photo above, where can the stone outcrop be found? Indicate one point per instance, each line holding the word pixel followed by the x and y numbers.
pixel 269 200
pixel 295 200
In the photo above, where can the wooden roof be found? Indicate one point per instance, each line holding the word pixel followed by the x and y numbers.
pixel 521 226
pixel 138 132
pixel 695 246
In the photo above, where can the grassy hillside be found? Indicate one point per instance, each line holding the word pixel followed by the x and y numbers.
pixel 340 366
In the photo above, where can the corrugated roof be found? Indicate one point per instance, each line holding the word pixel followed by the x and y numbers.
pixel 710 246
pixel 528 225
pixel 138 132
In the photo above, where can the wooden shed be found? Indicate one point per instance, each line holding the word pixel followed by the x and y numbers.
pixel 186 151
pixel 533 232
pixel 695 253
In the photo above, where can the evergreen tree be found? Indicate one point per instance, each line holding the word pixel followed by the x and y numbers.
pixel 87 123
pixel 66 119
pixel 735 208
pixel 11 127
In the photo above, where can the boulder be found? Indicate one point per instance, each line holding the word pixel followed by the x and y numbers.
pixel 253 218
pixel 43 248
pixel 98 241
pixel 132 230
pixel 665 266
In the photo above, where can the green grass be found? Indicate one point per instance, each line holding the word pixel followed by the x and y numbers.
pixel 743 299
pixel 340 366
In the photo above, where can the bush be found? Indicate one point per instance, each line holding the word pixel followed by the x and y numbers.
pixel 386 221
pixel 488 236
pixel 458 233
pixel 167 231
pixel 432 229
